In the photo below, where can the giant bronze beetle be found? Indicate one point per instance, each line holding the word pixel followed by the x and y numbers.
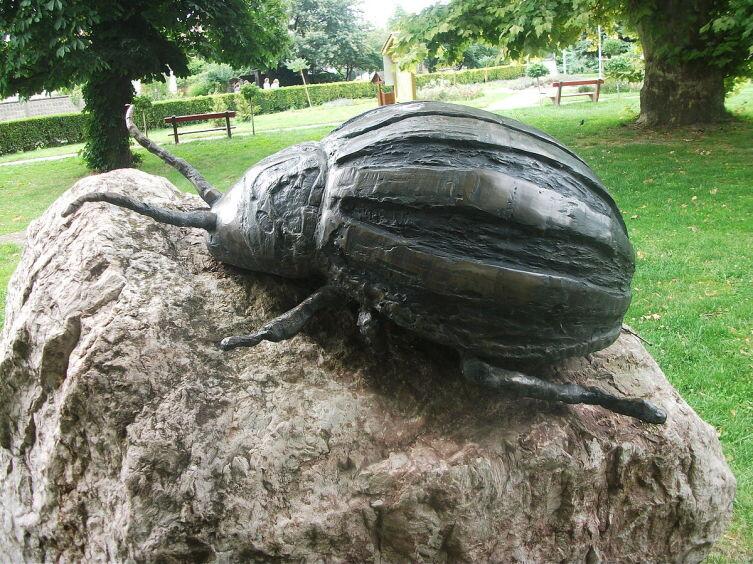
pixel 470 229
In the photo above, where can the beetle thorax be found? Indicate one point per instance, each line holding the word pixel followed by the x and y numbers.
pixel 266 222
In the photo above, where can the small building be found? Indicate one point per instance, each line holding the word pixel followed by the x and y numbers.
pixel 403 81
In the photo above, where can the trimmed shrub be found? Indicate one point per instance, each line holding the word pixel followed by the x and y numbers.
pixel 49 131
pixel 294 97
pixel 473 76
pixel 38 132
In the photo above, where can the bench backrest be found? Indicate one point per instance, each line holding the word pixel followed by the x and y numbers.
pixel 199 117
pixel 578 82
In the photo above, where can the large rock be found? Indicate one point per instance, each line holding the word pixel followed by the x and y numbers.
pixel 126 433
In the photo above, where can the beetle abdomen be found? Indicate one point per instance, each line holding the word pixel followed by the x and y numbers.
pixel 475 231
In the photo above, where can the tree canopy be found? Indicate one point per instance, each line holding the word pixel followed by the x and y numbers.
pixel 332 34
pixel 690 47
pixel 50 44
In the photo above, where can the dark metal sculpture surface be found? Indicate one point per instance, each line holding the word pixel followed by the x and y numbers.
pixel 467 228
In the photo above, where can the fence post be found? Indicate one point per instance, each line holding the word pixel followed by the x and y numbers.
pixel 175 129
pixel 227 123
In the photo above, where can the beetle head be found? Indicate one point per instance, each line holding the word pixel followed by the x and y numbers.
pixel 266 221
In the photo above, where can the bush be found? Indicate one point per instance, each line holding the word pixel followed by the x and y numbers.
pixel 294 97
pixel 472 76
pixel 442 90
pixel 35 133
pixel 50 131
pixel 536 70
pixel 213 78
pixel 220 104
pixel 624 68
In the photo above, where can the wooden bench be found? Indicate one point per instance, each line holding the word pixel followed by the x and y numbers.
pixel 593 95
pixel 175 120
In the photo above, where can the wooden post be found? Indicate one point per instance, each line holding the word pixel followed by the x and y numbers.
pixel 559 94
pixel 227 123
pixel 598 89
pixel 175 129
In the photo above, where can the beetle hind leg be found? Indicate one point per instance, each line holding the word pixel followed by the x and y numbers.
pixel 500 379
pixel 288 324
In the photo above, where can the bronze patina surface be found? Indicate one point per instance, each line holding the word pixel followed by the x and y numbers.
pixel 467 228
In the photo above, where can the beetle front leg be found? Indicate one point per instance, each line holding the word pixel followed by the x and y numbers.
pixel 501 379
pixel 288 324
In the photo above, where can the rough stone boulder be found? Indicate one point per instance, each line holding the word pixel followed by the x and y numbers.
pixel 125 433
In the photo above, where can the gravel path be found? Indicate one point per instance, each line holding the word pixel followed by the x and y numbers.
pixel 17 238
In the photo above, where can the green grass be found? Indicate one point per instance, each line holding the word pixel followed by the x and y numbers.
pixel 9 257
pixel 687 197
pixel 326 113
pixel 40 153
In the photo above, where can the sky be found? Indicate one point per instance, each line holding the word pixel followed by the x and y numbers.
pixel 377 12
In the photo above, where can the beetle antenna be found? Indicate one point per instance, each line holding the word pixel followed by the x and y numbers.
pixel 203 219
pixel 207 192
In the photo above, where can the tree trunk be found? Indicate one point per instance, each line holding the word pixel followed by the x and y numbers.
pixel 677 91
pixel 681 94
pixel 107 142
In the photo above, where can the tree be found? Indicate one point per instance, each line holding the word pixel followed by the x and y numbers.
pixel 207 77
pixel 106 45
pixel 613 47
pixel 479 55
pixel 624 68
pixel 332 34
pixel 300 65
pixel 536 70
pixel 690 47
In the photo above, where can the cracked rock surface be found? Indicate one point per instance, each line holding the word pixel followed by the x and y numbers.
pixel 126 434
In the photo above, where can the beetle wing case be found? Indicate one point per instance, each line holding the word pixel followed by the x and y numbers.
pixel 476 231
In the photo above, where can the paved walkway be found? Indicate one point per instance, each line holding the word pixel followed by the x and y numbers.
pixel 18 238
pixel 39 159
pixel 520 99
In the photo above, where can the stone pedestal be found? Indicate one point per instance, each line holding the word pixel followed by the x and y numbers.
pixel 127 434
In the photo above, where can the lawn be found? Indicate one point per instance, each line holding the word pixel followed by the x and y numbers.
pixel 331 113
pixel 687 197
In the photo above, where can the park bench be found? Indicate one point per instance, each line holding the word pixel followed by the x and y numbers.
pixel 593 95
pixel 175 120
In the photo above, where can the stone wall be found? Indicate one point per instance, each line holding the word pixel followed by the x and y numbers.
pixel 43 106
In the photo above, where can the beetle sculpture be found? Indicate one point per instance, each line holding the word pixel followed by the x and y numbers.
pixel 465 227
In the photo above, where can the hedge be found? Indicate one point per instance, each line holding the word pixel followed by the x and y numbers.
pixel 37 132
pixel 49 131
pixel 270 100
pixel 471 76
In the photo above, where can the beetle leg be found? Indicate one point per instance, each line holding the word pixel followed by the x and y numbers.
pixel 288 324
pixel 528 386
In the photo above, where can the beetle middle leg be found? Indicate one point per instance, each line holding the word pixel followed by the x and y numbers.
pixel 288 324
pixel 529 386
